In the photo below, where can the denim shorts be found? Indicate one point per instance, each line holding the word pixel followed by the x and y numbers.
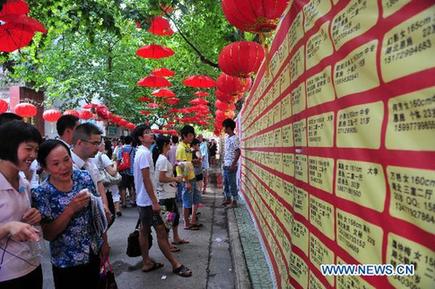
pixel 191 197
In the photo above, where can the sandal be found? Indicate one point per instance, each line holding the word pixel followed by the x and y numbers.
pixel 175 249
pixel 198 225
pixel 192 228
pixel 181 242
pixel 182 271
pixel 155 266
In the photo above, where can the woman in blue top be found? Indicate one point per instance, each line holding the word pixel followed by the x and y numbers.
pixel 63 200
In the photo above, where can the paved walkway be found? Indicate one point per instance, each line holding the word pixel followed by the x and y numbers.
pixel 211 253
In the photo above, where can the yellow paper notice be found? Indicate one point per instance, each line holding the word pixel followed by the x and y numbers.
pixel 411 121
pixel 319 46
pixel 299 270
pixel 322 216
pixel 360 126
pixel 355 19
pixel 286 107
pixel 321 172
pixel 300 236
pixel 300 132
pixel 403 251
pixel 320 254
pixel 412 196
pixel 351 282
pixel 298 99
pixel 409 47
pixel 357 71
pixel 295 32
pixel 278 137
pixel 288 164
pixel 361 239
pixel 319 88
pixel 389 7
pixel 284 79
pixel 314 283
pixel 321 130
pixel 287 136
pixel 301 168
pixel 314 10
pixel 297 64
pixel 362 183
pixel 287 192
pixel 300 202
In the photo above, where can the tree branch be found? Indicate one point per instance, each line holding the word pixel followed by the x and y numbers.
pixel 201 56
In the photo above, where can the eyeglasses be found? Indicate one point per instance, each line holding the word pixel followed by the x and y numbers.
pixel 95 143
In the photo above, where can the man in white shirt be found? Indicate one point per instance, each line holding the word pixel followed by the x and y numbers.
pixel 231 157
pixel 65 127
pixel 148 204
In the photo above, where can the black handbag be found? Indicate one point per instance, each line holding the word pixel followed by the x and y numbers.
pixel 107 277
pixel 133 245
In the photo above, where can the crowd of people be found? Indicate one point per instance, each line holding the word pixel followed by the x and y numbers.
pixel 70 189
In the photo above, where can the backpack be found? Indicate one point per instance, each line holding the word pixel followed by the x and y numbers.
pixel 125 163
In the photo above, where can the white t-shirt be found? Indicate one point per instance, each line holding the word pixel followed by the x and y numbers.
pixel 231 145
pixel 88 166
pixel 165 190
pixel 13 205
pixel 104 163
pixel 142 160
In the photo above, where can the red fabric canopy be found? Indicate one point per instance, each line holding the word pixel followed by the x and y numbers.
pixel 160 26
pixel 196 101
pixel 163 92
pixel 202 93
pixel 201 81
pixel 163 72
pixel 154 51
pixel 14 7
pixel 154 81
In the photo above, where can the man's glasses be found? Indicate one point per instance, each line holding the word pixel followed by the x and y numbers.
pixel 95 143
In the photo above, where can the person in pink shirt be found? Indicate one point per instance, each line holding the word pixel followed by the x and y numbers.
pixel 20 264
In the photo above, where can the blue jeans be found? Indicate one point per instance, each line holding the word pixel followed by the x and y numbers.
pixel 230 184
pixel 190 197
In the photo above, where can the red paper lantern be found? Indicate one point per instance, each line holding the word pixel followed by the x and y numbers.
pixel 241 59
pixel 154 51
pixel 224 97
pixel 254 15
pixel 14 7
pixel 163 72
pixel 51 115
pixel 224 105
pixel 26 110
pixel 3 106
pixel 85 114
pixel 154 81
pixel 201 81
pixel 163 92
pixel 71 112
pixel 160 26
pixel 232 85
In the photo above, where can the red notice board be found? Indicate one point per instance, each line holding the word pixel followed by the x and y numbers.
pixel 338 143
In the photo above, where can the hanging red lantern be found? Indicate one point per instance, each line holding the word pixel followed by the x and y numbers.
pixel 201 81
pixel 232 85
pixel 154 81
pixel 51 115
pixel 163 72
pixel 241 58
pixel 163 92
pixel 26 109
pixel 154 51
pixel 85 114
pixel 3 106
pixel 160 26
pixel 153 105
pixel 224 97
pixel 230 114
pixel 254 16
pixel 71 112
pixel 224 105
